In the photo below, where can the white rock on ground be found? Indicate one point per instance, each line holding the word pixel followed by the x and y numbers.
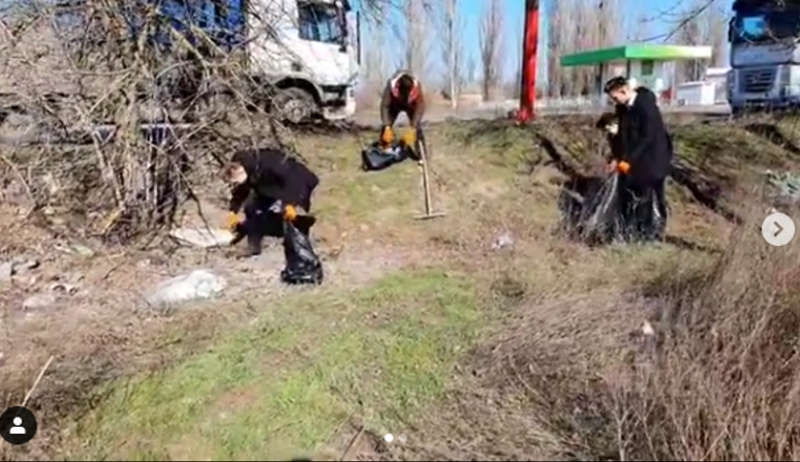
pixel 6 271
pixel 39 301
pixel 198 284
pixel 204 238
pixel 503 241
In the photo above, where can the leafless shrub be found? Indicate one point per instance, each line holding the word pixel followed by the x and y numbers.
pixel 717 380
pixel 71 66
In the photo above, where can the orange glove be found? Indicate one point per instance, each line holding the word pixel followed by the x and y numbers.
pixel 387 136
pixel 289 213
pixel 410 137
pixel 623 167
pixel 233 220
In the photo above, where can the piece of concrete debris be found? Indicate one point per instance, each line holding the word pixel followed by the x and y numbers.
pixel 6 271
pixel 203 238
pixel 70 289
pixel 74 249
pixel 198 284
pixel 13 268
pixel 25 265
pixel 82 250
pixel 39 301
pixel 503 241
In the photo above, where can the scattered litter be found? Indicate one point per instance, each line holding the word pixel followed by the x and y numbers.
pixel 76 249
pixel 204 238
pixel 70 289
pixel 12 268
pixel 82 250
pixel 787 184
pixel 6 271
pixel 198 284
pixel 647 329
pixel 503 241
pixel 39 301
pixel 24 265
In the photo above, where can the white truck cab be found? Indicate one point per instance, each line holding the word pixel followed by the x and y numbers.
pixel 310 51
pixel 764 56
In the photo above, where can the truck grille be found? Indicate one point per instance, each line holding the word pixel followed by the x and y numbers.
pixel 756 80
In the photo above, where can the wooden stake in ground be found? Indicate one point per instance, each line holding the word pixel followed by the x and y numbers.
pixel 429 213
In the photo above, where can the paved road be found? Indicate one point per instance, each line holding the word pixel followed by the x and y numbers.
pixel 436 115
pixel 369 120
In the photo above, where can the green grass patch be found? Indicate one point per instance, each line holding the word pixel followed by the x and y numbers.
pixel 283 387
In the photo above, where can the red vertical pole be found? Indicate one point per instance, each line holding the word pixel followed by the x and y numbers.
pixel 530 48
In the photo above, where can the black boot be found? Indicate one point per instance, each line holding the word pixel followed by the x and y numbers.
pixel 253 245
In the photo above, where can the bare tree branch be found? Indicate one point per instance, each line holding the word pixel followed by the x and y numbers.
pixel 452 49
pixel 491 45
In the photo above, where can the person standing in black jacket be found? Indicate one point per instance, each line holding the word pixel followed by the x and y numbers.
pixel 645 160
pixel 275 186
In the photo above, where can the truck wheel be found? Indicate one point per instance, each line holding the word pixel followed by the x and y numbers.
pixel 294 105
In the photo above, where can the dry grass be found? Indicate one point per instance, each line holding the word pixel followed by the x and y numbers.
pixel 718 381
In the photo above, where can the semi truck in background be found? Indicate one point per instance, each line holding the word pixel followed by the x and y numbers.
pixel 302 56
pixel 764 55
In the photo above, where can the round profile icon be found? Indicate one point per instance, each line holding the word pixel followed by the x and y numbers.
pixel 18 425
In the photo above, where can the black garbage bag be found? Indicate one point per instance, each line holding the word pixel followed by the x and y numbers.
pixel 302 264
pixel 602 219
pixel 374 158
pixel 643 218
pixel 575 194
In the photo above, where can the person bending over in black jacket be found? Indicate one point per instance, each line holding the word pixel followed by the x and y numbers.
pixel 609 124
pixel 274 186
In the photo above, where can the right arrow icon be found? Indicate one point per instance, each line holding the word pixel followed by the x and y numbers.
pixel 778 229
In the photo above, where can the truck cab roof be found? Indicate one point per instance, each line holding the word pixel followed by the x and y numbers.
pixel 739 5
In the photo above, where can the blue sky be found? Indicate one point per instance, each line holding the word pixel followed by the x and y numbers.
pixel 514 17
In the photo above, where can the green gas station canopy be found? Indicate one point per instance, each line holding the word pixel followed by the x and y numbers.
pixel 636 53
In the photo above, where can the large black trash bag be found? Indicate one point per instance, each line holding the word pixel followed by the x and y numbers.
pixel 575 193
pixel 602 219
pixel 374 158
pixel 644 221
pixel 302 264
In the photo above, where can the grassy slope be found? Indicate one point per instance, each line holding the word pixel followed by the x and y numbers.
pixel 292 380
pixel 284 384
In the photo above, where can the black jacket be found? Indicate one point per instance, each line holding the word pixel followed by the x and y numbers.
pixel 646 145
pixel 272 175
pixel 615 144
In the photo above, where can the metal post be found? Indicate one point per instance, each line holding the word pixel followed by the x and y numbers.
pixel 530 48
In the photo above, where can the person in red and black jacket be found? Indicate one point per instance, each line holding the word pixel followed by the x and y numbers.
pixel 403 93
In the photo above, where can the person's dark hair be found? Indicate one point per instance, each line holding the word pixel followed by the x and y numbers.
pixel 615 83
pixel 605 120
pixel 404 86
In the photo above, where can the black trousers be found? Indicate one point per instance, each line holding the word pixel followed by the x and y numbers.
pixel 261 222
pixel 644 210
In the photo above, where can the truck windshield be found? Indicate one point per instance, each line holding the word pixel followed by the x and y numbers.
pixel 765 27
pixel 320 23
